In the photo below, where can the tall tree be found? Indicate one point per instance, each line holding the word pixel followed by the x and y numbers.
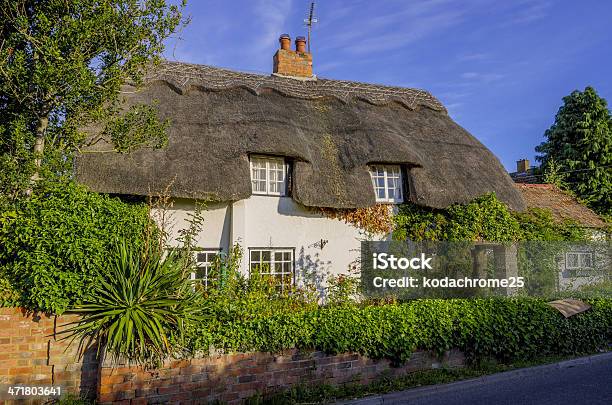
pixel 62 65
pixel 579 145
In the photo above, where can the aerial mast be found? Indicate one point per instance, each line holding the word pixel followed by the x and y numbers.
pixel 310 21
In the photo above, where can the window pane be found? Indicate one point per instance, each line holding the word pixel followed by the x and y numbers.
pixel 255 255
pixel 586 260
pixel 278 268
pixel 572 260
pixel 202 272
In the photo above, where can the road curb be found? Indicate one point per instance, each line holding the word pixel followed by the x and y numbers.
pixel 415 393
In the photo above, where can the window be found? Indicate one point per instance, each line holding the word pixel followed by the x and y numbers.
pixel 387 182
pixel 277 263
pixel 268 175
pixel 578 260
pixel 204 260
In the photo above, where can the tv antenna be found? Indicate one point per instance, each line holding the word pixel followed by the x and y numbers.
pixel 310 21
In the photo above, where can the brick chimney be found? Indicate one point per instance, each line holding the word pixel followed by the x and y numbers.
pixel 287 62
pixel 522 165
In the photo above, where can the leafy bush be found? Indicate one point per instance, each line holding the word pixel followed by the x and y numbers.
pixel 485 218
pixel 140 307
pixel 54 244
pixel 503 328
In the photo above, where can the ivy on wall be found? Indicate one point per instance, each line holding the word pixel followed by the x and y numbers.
pixel 375 219
pixel 484 219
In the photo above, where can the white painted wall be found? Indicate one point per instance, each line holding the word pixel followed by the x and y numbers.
pixel 276 222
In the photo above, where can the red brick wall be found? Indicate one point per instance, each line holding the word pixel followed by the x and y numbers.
pixel 233 378
pixel 292 63
pixel 32 354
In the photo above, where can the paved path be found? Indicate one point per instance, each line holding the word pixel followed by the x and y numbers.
pixel 586 380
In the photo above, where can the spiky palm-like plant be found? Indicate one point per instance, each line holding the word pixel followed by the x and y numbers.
pixel 140 308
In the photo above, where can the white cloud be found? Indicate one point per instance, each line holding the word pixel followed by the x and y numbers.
pixel 529 11
pixel 272 18
pixel 483 77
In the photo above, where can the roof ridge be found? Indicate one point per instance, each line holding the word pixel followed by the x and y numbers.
pixel 183 75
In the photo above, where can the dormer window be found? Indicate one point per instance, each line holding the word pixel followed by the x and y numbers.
pixel 268 175
pixel 387 182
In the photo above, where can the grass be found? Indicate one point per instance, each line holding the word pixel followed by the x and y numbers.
pixel 71 399
pixel 325 393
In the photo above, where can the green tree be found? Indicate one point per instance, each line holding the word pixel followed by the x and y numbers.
pixel 62 65
pixel 579 145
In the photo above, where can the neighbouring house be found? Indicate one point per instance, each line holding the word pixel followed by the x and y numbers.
pixel 274 155
pixel 562 205
pixel 525 173
pixel 579 263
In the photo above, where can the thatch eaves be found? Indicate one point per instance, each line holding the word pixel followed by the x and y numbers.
pixel 332 130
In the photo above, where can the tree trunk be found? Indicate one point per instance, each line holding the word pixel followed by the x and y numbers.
pixel 39 149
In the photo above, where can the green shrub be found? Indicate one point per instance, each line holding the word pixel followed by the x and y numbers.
pixel 54 244
pixel 485 218
pixel 140 308
pixel 502 328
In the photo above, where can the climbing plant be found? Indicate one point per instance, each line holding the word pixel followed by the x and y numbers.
pixel 484 219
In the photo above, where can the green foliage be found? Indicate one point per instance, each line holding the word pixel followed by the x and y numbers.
pixel 71 399
pixel 553 174
pixel 502 328
pixel 580 144
pixel 539 225
pixel 62 65
pixel 55 244
pixel 140 306
pixel 484 219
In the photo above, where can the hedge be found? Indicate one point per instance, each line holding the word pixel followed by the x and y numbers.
pixel 500 328
pixel 54 244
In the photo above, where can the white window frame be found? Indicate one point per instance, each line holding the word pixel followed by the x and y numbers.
pixel 389 173
pixel 206 264
pixel 274 261
pixel 269 162
pixel 581 259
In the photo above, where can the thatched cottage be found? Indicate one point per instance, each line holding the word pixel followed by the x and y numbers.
pixel 268 151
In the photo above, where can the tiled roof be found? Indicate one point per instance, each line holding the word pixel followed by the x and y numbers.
pixel 563 205
pixel 526 177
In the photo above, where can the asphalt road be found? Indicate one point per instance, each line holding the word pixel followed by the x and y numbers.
pixel 574 382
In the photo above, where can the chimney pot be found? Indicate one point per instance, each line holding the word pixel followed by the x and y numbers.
pixel 522 165
pixel 290 63
pixel 285 42
pixel 300 44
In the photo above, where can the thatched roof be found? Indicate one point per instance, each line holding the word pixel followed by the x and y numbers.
pixel 562 204
pixel 331 129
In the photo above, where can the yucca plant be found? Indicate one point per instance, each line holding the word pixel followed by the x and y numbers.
pixel 141 307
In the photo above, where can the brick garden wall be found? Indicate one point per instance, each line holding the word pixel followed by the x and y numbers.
pixel 232 378
pixel 32 354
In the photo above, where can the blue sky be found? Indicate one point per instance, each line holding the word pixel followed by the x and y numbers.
pixel 501 67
